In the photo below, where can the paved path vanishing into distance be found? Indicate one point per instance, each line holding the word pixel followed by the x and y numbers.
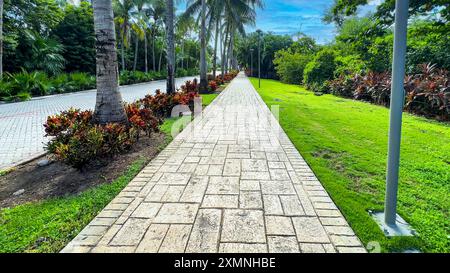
pixel 21 131
pixel 232 181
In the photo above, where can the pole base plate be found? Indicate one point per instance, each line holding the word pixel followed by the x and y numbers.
pixel 401 227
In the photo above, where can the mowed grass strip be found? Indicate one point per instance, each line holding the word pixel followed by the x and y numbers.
pixel 345 143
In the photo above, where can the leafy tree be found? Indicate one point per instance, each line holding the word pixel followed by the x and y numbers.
pixel 321 68
pixel 39 53
pixel 270 44
pixel 1 39
pixel 290 65
pixel 428 43
pixel 345 8
pixel 76 33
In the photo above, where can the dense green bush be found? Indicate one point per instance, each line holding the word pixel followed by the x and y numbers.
pixel 320 69
pixel 23 85
pixel 290 66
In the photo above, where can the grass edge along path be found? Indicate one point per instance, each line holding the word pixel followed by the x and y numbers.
pixel 49 225
pixel 345 144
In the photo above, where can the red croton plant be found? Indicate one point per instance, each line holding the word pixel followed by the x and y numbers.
pixel 427 93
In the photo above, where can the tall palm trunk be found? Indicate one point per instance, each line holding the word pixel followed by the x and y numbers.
pixel 224 52
pixel 122 48
pixel 203 88
pixel 182 54
pixel 108 107
pixel 160 59
pixel 136 49
pixel 153 50
pixel 1 39
pixel 215 47
pixel 170 47
pixel 146 53
pixel 232 58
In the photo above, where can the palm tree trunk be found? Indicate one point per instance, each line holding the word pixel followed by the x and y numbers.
pixel 136 49
pixel 160 60
pixel 108 107
pixel 182 54
pixel 122 48
pixel 170 47
pixel 232 58
pixel 203 88
pixel 215 47
pixel 224 52
pixel 1 39
pixel 153 50
pixel 146 53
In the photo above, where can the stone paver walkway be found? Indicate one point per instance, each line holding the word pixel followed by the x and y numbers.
pixel 21 131
pixel 230 182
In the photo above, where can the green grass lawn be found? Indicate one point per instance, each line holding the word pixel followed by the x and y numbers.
pixel 208 98
pixel 49 225
pixel 345 143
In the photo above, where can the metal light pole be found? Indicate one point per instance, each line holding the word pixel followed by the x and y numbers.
pixel 392 223
pixel 259 58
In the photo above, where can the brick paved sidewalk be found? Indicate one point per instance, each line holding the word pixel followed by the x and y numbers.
pixel 230 182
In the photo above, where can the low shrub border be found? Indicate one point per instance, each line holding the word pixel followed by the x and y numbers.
pixel 24 85
pixel 76 139
pixel 426 93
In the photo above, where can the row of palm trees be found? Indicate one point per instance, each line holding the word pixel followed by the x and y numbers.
pixel 221 19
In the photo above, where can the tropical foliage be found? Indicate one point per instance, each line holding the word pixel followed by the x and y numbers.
pixel 77 139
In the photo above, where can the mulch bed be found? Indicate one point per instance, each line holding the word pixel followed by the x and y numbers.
pixel 58 179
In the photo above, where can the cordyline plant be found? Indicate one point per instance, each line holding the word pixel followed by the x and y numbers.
pixel 426 93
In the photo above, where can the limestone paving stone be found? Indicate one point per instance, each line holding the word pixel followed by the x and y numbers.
pixel 279 225
pixel 272 205
pixel 309 230
pixel 176 213
pixel 153 238
pixel 250 200
pixel 282 244
pixel 242 248
pixel 243 226
pixel 220 201
pixel 205 232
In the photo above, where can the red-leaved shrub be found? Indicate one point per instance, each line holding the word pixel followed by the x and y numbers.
pixel 426 93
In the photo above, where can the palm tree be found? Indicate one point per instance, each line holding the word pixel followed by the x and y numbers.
pixel 237 14
pixel 140 28
pixel 170 17
pixel 157 12
pixel 122 11
pixel 203 88
pixel 200 6
pixel 108 107
pixel 1 39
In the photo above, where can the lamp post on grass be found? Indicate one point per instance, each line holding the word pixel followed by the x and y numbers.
pixel 251 62
pixel 391 223
pixel 259 57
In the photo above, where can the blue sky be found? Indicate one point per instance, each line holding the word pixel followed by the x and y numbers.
pixel 292 16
